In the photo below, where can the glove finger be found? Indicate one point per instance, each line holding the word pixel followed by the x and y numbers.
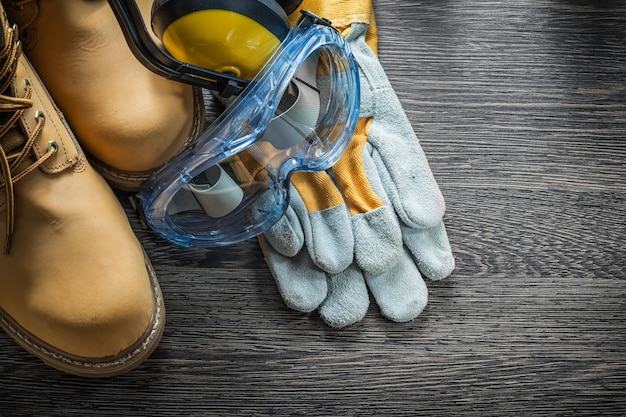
pixel 377 234
pixel 329 239
pixel 400 156
pixel 347 301
pixel 318 217
pixel 410 185
pixel 287 235
pixel 326 224
pixel 301 284
pixel 430 249
pixel 378 239
pixel 400 292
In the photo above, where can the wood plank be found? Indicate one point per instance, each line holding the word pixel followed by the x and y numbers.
pixel 520 107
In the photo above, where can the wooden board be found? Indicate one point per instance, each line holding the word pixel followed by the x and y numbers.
pixel 520 107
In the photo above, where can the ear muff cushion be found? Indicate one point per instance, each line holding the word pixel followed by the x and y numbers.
pixel 267 13
pixel 236 36
pixel 235 43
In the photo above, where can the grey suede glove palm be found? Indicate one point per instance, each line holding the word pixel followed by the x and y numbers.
pixel 374 222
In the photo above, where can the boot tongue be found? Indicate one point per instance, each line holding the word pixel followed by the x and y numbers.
pixel 12 140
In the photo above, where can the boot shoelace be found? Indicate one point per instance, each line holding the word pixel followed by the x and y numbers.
pixel 12 168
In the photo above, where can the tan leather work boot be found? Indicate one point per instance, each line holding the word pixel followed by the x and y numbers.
pixel 128 119
pixel 76 288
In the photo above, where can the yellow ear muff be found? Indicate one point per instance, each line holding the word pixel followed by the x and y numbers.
pixel 220 40
pixel 233 36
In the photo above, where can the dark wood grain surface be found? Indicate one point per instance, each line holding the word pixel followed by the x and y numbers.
pixel 520 107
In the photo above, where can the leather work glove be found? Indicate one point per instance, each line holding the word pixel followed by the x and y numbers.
pixel 372 222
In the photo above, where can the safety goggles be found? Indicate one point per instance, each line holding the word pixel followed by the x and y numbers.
pixel 232 183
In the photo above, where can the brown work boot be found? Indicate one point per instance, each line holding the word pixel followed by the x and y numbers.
pixel 126 118
pixel 76 288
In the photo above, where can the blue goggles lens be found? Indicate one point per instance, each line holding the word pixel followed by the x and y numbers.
pixel 232 183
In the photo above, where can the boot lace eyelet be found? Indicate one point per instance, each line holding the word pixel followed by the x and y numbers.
pixel 39 115
pixel 52 144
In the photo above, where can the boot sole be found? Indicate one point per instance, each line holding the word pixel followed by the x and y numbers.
pixel 109 366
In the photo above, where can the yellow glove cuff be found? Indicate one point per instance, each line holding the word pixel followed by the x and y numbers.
pixel 343 13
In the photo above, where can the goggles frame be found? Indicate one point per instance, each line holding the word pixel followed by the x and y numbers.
pixel 242 125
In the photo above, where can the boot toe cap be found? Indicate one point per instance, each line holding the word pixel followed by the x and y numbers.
pixel 95 325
